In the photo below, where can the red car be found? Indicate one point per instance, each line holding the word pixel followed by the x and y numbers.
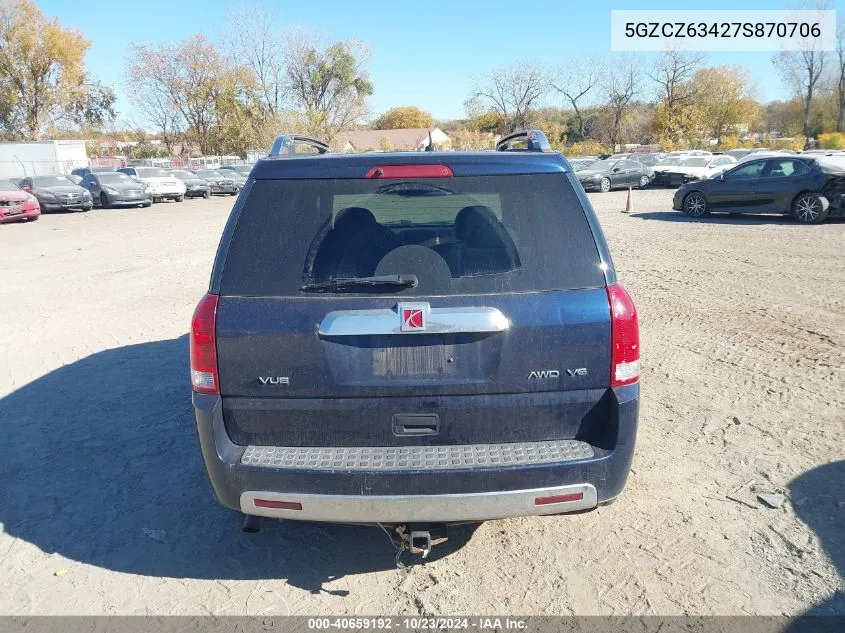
pixel 16 204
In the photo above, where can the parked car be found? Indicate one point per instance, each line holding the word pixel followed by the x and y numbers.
pixel 808 188
pixel 17 205
pixel 57 193
pixel 117 190
pixel 647 159
pixel 238 173
pixel 766 153
pixel 581 163
pixel 384 340
pixel 688 168
pixel 195 187
pixel 84 171
pixel 162 185
pixel 612 173
pixel 219 183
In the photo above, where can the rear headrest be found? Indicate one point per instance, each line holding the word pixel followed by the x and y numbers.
pixel 478 226
pixel 353 216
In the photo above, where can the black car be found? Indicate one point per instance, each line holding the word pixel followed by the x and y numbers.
pixel 57 193
pixel 84 171
pixel 401 338
pixel 195 187
pixel 219 183
pixel 115 189
pixel 810 189
pixel 612 173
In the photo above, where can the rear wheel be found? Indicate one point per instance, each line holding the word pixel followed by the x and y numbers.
pixel 604 185
pixel 179 198
pixel 695 205
pixel 810 208
pixel 644 182
pixel 104 200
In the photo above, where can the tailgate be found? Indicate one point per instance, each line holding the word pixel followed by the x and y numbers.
pixel 340 370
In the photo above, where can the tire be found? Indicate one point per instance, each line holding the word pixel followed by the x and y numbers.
pixel 695 205
pixel 147 205
pixel 234 193
pixel 206 194
pixel 179 198
pixel 810 208
pixel 104 200
pixel 644 182
pixel 86 209
pixel 604 185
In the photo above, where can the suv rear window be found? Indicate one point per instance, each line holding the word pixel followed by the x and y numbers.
pixel 466 235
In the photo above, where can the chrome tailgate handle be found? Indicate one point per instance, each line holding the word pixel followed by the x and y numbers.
pixel 435 321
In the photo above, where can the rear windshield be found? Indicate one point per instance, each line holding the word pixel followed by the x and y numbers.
pixel 117 177
pixel 468 235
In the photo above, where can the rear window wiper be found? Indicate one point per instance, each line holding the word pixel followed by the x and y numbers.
pixel 342 284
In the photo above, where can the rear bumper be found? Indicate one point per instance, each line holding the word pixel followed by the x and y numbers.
pixel 480 506
pixel 433 494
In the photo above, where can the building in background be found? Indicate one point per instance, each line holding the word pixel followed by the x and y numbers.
pixel 41 158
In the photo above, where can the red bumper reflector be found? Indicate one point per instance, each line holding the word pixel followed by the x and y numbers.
pixel 410 171
pixel 278 505
pixel 543 501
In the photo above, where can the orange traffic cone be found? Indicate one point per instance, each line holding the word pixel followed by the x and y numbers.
pixel 629 203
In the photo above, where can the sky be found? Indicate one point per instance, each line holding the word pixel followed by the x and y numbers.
pixel 423 53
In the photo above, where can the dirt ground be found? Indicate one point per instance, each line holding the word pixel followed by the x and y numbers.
pixel 105 508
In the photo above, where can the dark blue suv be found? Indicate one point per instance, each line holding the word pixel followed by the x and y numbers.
pixel 414 338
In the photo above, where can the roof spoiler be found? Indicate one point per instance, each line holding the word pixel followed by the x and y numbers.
pixel 535 141
pixel 285 145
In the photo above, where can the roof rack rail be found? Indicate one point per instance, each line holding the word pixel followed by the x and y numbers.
pixel 534 140
pixel 285 144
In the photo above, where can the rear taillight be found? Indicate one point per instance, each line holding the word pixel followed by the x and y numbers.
pixel 204 346
pixel 625 338
pixel 410 171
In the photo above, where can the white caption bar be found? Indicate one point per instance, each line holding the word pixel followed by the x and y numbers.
pixel 646 30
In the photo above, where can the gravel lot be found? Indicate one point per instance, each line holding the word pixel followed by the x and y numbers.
pixel 105 508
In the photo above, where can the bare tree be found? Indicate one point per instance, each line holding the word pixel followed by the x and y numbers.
pixel 255 43
pixel 672 70
pixel 621 84
pixel 802 69
pixel 189 86
pixel 574 81
pixel 329 83
pixel 513 92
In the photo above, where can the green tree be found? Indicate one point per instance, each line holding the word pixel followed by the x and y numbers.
pixel 404 117
pixel 724 97
pixel 329 84
pixel 42 74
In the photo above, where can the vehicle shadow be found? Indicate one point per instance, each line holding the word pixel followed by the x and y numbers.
pixel 100 463
pixel 725 218
pixel 818 501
